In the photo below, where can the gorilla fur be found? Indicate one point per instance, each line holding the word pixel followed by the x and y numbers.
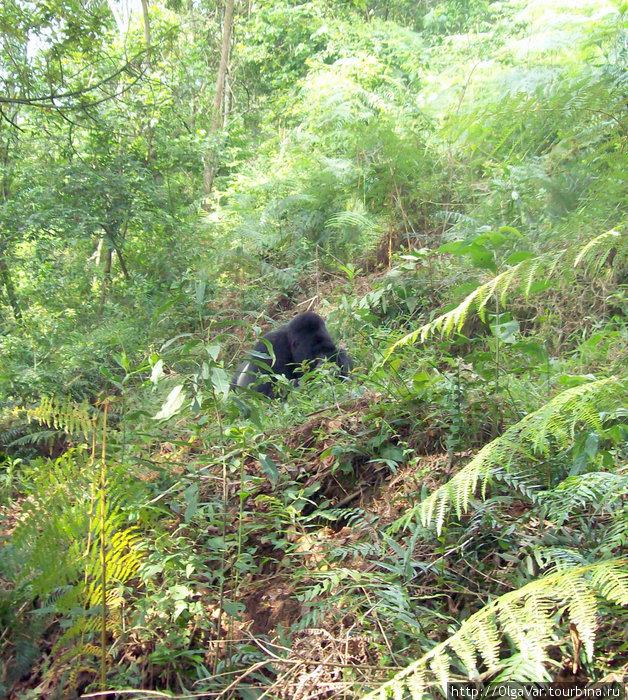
pixel 304 338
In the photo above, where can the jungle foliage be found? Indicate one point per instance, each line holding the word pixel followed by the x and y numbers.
pixel 445 182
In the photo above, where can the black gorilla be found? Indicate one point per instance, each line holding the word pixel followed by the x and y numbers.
pixel 303 338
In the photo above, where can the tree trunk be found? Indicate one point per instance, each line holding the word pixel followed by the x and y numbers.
pixel 5 275
pixel 147 41
pixel 209 173
pixel 146 29
pixel 113 246
pixel 226 103
pixel 219 96
pixel 105 279
pixel 125 272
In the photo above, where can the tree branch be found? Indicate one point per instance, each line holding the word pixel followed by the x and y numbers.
pixel 42 101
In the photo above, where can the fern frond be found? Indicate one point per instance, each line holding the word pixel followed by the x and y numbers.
pixel 64 414
pixel 122 560
pixel 464 648
pixel 595 252
pixel 529 624
pixel 38 437
pixel 351 218
pixel 555 422
pixel 439 666
pixel 519 276
pixel 485 637
pixel 416 684
pixel 603 489
pixel 58 537
pixel 527 617
pixel 73 677
pixel 611 582
pixel 582 609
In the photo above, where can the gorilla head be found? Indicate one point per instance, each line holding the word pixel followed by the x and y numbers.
pixel 304 338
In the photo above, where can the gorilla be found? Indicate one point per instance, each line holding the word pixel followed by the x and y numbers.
pixel 303 338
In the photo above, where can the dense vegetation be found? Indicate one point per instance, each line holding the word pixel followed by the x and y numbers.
pixel 443 181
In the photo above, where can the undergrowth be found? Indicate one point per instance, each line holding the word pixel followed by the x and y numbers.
pixel 453 204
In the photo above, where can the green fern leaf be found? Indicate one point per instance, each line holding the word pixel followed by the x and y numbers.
pixel 557 420
pixel 527 617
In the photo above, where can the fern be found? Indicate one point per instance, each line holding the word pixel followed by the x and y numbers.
pixel 595 253
pixel 56 551
pixel 602 489
pixel 56 554
pixel 39 438
pixel 527 618
pixel 65 414
pixel 56 539
pixel 519 276
pixel 554 423
pixel 356 219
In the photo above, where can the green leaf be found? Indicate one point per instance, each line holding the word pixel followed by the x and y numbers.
pixel 506 332
pixel 493 238
pixel 454 247
pixel 420 380
pixel 518 257
pixel 220 381
pixel 532 349
pixel 123 361
pixel 269 468
pixel 540 286
pixel 179 607
pixel 157 372
pixel 179 592
pixel 114 380
pixel 571 380
pixel 482 258
pixel 233 609
pixel 213 351
pixel 149 571
pixel 176 399
pixel 591 445
pixel 199 291
pixel 464 289
pixel 510 231
pixel 191 499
